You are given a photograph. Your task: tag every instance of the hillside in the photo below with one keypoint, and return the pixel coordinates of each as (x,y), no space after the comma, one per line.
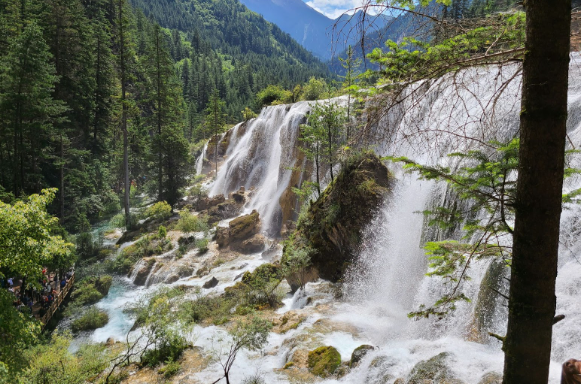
(232,30)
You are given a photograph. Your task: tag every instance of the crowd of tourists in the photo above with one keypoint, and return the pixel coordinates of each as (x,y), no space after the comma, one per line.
(31,299)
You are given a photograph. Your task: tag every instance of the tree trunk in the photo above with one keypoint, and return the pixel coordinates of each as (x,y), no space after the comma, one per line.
(124,115)
(159,149)
(538,201)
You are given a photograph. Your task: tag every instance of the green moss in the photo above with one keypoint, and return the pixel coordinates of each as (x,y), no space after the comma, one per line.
(324,361)
(288,365)
(92,319)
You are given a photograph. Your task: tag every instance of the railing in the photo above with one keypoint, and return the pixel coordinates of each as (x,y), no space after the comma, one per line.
(57,301)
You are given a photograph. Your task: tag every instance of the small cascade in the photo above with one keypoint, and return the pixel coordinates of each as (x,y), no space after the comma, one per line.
(200,160)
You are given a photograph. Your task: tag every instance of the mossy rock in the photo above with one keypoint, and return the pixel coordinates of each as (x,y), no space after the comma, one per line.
(359,353)
(433,371)
(324,361)
(244,227)
(334,224)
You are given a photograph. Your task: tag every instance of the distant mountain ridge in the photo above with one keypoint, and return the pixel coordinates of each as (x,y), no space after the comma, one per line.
(314,31)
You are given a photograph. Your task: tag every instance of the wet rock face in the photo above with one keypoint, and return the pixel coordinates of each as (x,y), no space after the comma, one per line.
(433,371)
(324,361)
(335,222)
(143,272)
(491,378)
(211,283)
(209,202)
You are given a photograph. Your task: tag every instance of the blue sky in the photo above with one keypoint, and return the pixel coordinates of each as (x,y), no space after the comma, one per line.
(333,8)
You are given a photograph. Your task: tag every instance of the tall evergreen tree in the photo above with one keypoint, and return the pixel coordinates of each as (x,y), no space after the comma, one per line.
(215,121)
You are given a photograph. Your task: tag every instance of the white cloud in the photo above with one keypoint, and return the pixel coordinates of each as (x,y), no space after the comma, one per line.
(333,8)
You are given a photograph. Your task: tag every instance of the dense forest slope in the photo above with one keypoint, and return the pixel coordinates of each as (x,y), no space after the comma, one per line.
(78,77)
(244,37)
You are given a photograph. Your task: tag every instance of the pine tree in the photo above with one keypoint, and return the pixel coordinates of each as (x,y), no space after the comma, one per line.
(350,64)
(29,111)
(215,120)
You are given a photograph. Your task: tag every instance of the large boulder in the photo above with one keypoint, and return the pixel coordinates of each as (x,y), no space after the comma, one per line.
(324,361)
(242,234)
(244,227)
(335,222)
(255,244)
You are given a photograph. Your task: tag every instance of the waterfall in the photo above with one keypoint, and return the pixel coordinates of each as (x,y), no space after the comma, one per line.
(261,156)
(200,160)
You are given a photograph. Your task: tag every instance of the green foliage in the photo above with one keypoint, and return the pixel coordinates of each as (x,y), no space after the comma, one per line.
(314,89)
(248,114)
(93,318)
(18,331)
(148,245)
(52,362)
(91,289)
(258,289)
(413,60)
(171,368)
(27,242)
(159,210)
(322,136)
(162,326)
(162,232)
(296,263)
(273,95)
(189,223)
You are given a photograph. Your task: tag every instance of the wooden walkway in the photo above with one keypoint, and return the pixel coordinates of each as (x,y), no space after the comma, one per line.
(63,293)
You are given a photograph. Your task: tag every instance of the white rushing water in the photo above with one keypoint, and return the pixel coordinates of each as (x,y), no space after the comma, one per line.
(388,280)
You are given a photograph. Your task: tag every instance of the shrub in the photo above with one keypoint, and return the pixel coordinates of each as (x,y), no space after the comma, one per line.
(254,379)
(159,210)
(189,223)
(274,94)
(314,89)
(202,245)
(92,319)
(170,369)
(162,232)
(86,294)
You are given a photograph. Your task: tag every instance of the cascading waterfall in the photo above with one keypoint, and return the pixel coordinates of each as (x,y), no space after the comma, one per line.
(455,113)
(261,156)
